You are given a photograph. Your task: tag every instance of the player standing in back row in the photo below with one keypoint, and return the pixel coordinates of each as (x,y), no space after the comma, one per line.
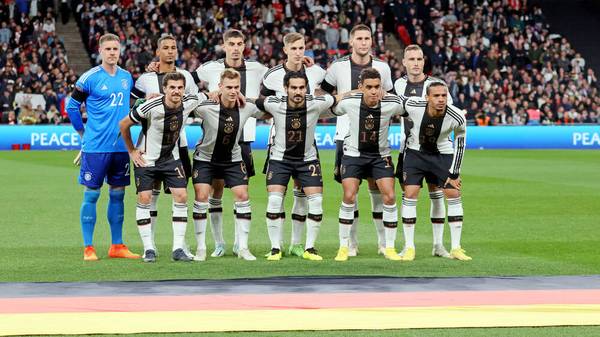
(251,74)
(430,152)
(105,90)
(343,76)
(413,84)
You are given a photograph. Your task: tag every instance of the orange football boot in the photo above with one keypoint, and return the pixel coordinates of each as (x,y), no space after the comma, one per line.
(89,254)
(121,251)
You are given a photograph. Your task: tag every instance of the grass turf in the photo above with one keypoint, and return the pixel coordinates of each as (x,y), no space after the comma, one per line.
(526,213)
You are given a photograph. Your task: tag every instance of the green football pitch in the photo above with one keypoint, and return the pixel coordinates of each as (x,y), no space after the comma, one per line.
(526,213)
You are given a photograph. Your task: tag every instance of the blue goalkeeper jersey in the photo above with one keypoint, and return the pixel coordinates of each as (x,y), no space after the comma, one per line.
(106,99)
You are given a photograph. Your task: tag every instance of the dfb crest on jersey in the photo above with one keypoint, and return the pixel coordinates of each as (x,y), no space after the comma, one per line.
(125,84)
(173,125)
(229,125)
(369,122)
(296,123)
(228,128)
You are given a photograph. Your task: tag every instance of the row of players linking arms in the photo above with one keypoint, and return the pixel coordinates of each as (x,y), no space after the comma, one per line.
(293,96)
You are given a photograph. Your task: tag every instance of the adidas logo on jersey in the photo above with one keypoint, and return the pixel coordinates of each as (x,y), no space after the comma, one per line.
(370,116)
(104,87)
(413,92)
(229,119)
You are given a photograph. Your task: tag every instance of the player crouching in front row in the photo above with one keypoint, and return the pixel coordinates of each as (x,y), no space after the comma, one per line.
(367,155)
(430,153)
(157,158)
(219,156)
(294,154)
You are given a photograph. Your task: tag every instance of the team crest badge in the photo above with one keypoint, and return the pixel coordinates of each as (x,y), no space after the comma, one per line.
(195,174)
(343,169)
(87,176)
(404,176)
(174,125)
(270,175)
(125,84)
(296,124)
(137,182)
(369,122)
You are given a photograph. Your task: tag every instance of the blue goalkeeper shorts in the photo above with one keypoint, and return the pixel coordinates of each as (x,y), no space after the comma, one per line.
(110,166)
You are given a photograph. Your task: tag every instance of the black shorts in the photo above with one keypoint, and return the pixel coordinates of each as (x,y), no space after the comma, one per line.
(171,173)
(428,178)
(339,154)
(234,174)
(246,148)
(308,174)
(435,168)
(363,168)
(398,173)
(184,156)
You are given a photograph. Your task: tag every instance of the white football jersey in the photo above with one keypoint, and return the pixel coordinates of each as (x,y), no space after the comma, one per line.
(343,76)
(251,72)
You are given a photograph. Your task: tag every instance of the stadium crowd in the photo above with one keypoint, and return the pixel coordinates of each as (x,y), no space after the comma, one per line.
(501,61)
(33,63)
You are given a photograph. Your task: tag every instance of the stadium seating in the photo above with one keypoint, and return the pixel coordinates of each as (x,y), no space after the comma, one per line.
(501,60)
(34,68)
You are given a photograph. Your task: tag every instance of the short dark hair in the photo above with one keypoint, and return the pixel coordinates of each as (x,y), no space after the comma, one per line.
(435,84)
(233,33)
(163,38)
(359,27)
(293,74)
(369,73)
(175,76)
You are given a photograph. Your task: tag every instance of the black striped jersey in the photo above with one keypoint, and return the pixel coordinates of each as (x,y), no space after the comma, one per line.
(151,83)
(403,87)
(432,135)
(251,73)
(162,126)
(368,126)
(295,127)
(221,131)
(343,76)
(272,84)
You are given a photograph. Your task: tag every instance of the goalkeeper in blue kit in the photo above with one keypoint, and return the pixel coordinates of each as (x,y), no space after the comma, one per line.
(105,90)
